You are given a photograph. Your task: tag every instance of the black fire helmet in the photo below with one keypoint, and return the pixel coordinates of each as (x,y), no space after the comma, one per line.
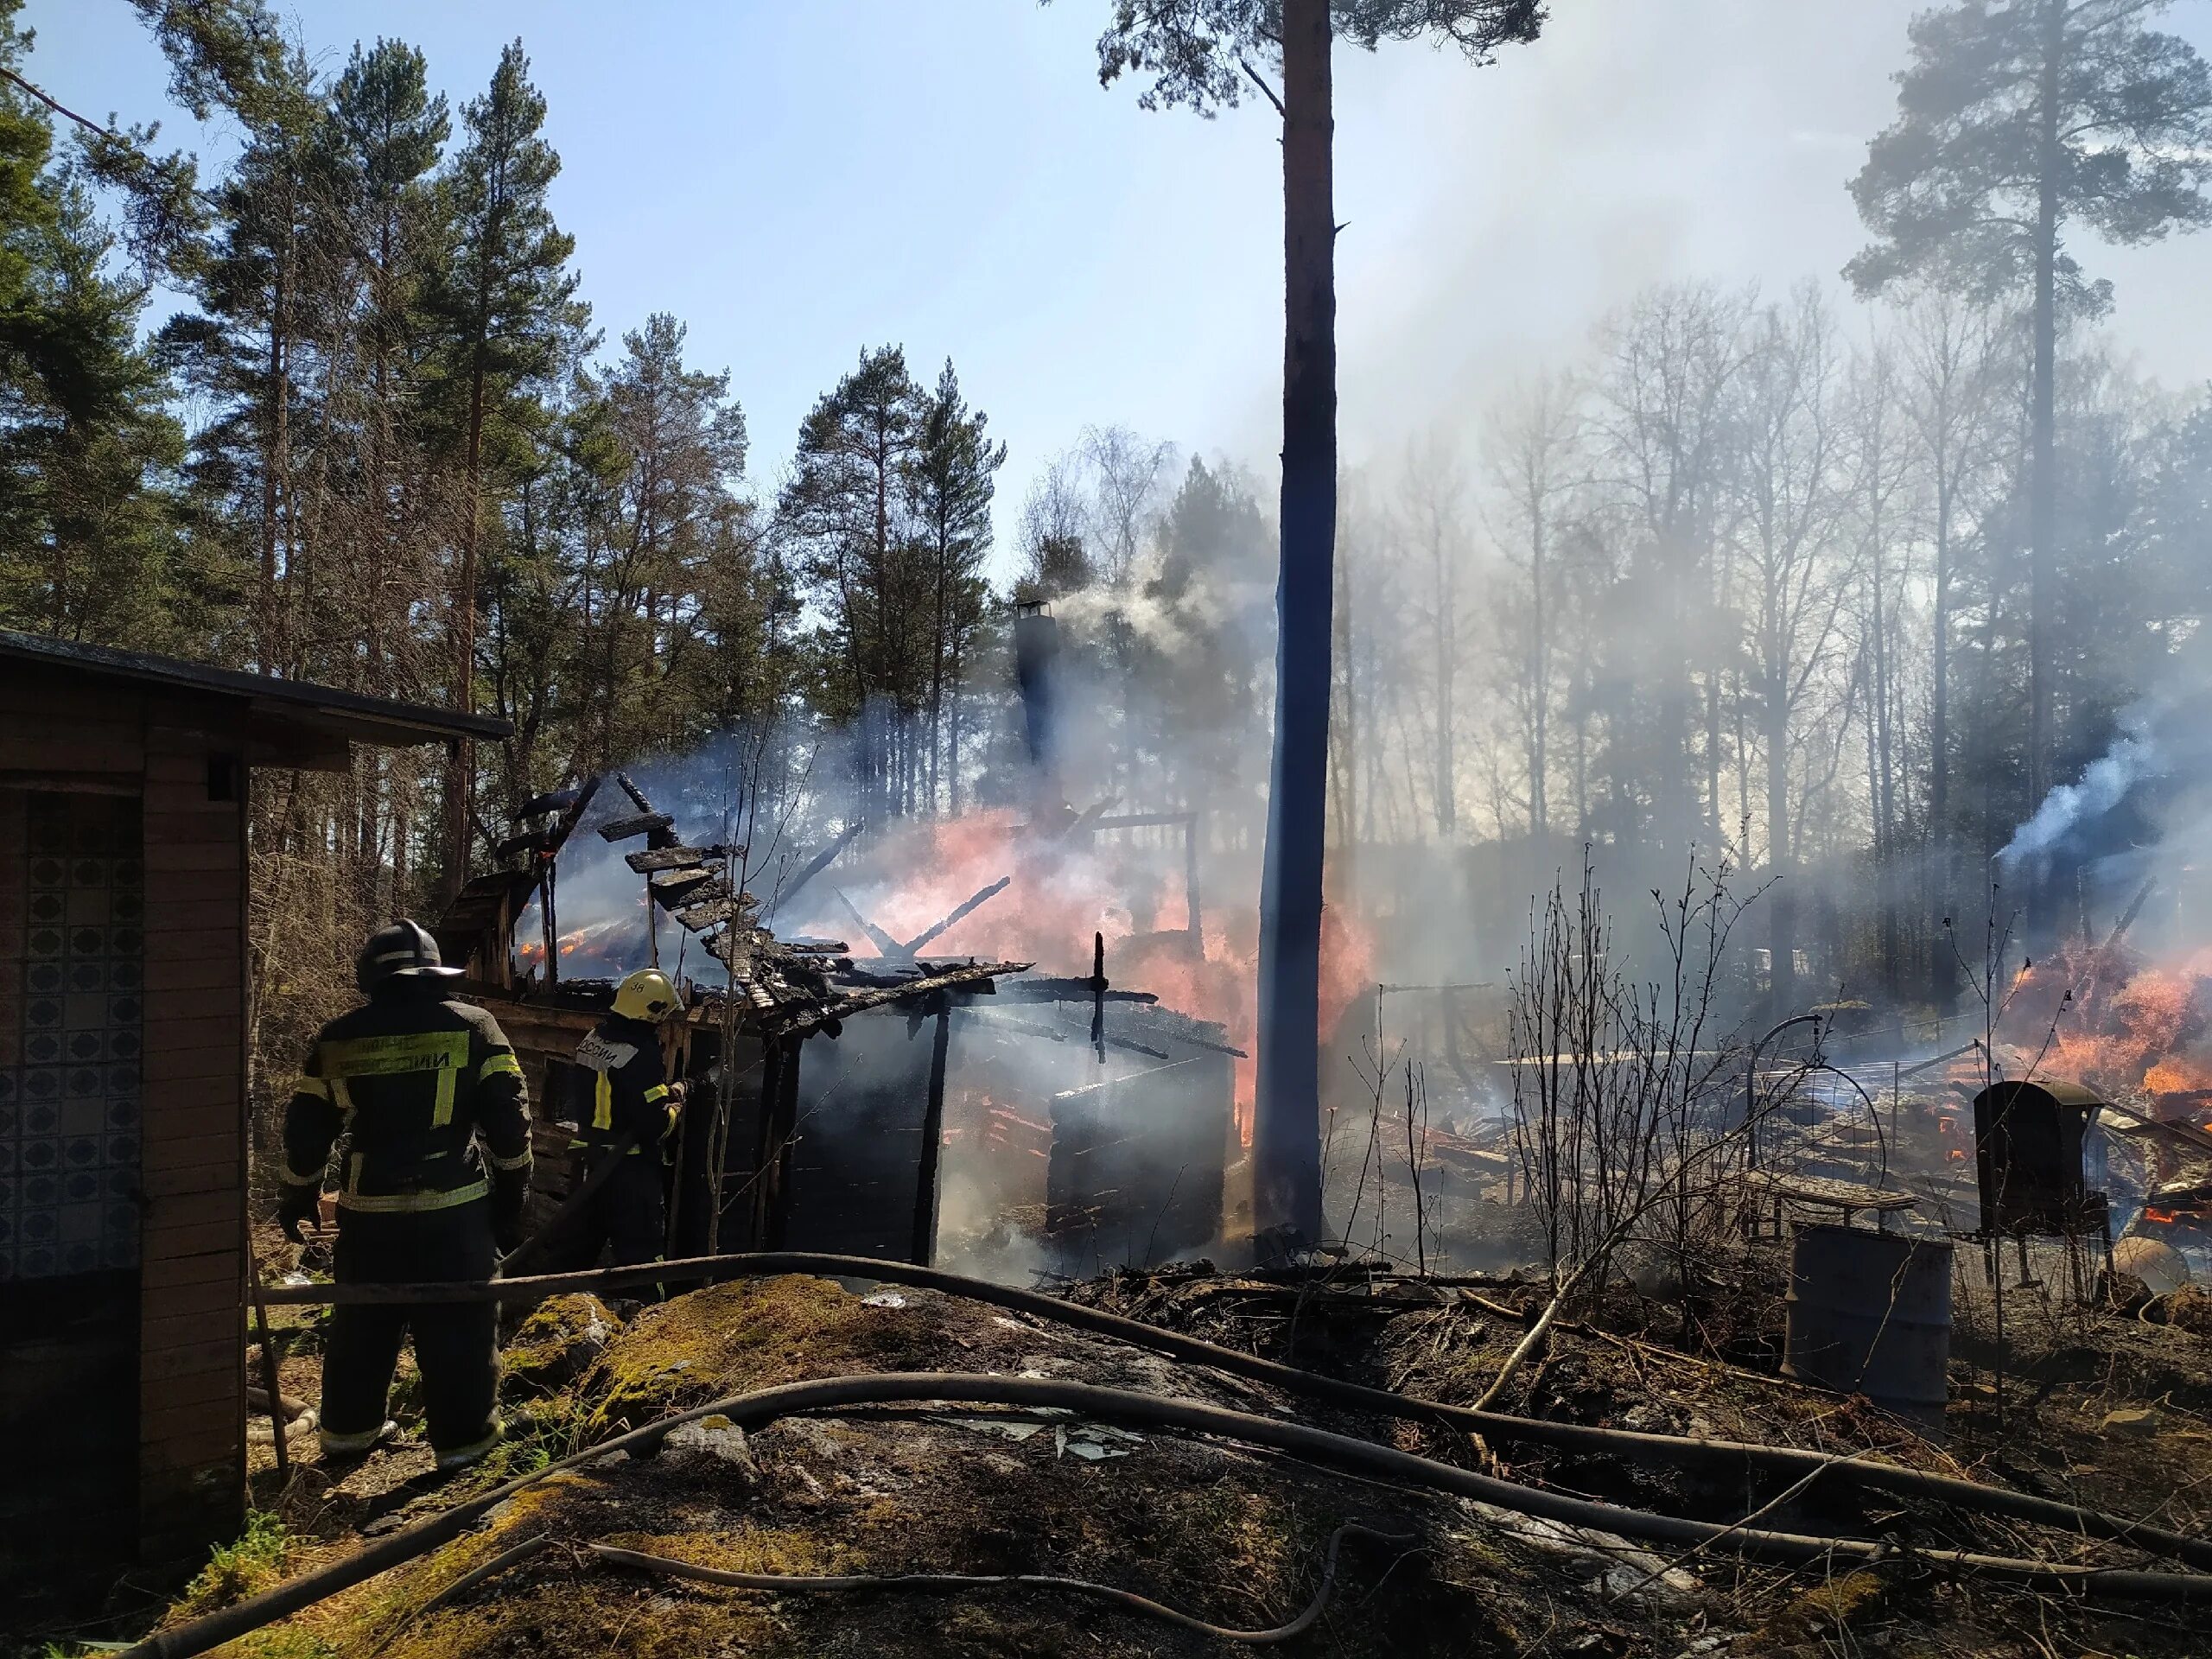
(404,948)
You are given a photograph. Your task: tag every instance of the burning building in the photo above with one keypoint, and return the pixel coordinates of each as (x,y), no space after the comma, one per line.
(841,1110)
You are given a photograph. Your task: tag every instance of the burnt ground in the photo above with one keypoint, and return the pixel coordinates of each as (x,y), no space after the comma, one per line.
(1227,1533)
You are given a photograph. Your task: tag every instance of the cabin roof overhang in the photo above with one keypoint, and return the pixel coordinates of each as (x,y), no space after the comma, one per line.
(287,723)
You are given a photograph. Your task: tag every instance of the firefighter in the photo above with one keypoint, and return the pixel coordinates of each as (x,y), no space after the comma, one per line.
(625,1110)
(434,1174)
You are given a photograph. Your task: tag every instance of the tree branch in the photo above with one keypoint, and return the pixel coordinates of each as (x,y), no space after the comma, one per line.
(61,109)
(1260,81)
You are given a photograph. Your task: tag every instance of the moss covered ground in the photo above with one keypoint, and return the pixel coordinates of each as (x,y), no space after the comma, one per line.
(1225,1533)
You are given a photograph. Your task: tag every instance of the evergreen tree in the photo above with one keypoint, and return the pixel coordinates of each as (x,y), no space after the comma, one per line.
(1200,53)
(245,351)
(504,299)
(2015,119)
(90,525)
(844,511)
(950,480)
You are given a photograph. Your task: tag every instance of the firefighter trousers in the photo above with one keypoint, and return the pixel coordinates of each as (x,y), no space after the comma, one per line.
(629,1212)
(456,1343)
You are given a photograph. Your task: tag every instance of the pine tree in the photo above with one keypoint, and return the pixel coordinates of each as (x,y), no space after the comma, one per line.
(1200,53)
(950,480)
(2015,118)
(90,525)
(505,303)
(844,511)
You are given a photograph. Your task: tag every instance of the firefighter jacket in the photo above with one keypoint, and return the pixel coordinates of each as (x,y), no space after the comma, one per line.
(413,1081)
(622,1088)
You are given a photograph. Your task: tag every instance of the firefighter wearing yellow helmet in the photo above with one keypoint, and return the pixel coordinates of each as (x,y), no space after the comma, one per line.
(624,1108)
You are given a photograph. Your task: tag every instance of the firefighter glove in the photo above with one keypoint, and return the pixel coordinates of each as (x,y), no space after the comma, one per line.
(300,1205)
(510,1195)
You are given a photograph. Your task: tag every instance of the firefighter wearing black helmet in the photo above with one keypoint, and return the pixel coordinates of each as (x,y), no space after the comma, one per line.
(435,1174)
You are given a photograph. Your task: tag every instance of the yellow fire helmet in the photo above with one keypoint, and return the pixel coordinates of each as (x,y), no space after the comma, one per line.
(648,995)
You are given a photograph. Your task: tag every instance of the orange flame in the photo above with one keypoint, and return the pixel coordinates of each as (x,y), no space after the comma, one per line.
(1063,892)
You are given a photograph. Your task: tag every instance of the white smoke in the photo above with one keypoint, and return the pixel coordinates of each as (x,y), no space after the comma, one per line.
(2106,782)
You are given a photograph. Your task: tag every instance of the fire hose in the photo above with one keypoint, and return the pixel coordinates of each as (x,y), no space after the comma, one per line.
(758,1407)
(1680,1451)
(925,1583)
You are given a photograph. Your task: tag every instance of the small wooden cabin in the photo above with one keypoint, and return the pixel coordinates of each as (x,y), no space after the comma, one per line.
(837,1154)
(123,1106)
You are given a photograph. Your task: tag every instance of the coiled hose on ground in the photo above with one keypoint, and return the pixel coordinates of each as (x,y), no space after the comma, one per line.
(752,1410)
(1679,1450)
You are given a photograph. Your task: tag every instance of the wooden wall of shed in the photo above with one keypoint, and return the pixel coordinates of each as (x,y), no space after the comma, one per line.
(64,733)
(191,1369)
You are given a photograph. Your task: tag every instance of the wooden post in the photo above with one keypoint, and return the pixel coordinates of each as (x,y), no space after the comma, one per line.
(925,1182)
(269,1369)
(778,1122)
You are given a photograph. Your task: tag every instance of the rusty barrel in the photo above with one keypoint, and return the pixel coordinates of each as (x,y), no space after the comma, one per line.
(1871,1313)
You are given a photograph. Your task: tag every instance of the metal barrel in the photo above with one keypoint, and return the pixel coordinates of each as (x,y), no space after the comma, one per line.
(1871,1313)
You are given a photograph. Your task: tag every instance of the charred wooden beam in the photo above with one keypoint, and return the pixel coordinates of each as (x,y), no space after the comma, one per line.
(914,945)
(559,800)
(923,1248)
(672,886)
(532,843)
(967,975)
(2134,909)
(709,910)
(665,858)
(1085,820)
(789,890)
(637,823)
(885,945)
(1055,989)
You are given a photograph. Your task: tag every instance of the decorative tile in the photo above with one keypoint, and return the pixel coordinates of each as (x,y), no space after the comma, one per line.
(72,913)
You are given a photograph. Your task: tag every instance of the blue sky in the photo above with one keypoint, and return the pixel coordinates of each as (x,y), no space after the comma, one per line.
(798,181)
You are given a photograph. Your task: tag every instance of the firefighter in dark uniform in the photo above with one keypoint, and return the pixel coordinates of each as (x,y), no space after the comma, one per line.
(626,1108)
(435,1174)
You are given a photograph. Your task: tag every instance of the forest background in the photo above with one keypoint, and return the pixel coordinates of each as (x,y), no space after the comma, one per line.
(1746,573)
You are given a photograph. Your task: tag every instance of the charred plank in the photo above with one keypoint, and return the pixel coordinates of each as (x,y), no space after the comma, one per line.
(672,888)
(637,823)
(665,858)
(708,911)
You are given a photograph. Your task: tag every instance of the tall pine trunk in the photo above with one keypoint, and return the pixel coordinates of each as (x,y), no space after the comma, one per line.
(460,758)
(1447,662)
(2042,504)
(1541,692)
(1286,1141)
(1781,907)
(1944,984)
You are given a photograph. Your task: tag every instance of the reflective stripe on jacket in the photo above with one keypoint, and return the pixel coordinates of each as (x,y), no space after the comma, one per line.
(412,1081)
(622,1087)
